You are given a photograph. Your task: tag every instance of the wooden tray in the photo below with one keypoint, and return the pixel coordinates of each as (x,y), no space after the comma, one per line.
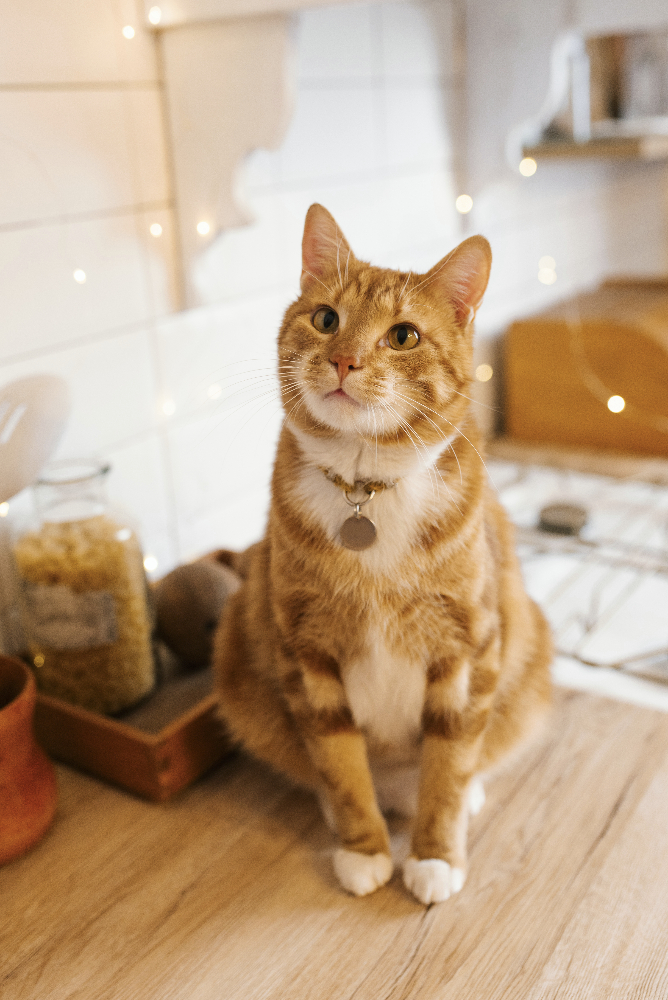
(142,752)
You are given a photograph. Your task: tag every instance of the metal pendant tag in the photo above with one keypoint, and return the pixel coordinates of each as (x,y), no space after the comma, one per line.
(357,533)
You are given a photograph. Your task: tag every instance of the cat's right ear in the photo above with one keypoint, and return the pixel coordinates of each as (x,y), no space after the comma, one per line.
(324,247)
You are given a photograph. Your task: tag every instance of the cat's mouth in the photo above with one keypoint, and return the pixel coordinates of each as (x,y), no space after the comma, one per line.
(341,394)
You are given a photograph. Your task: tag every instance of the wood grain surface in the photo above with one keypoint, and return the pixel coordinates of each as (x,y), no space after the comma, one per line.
(227,891)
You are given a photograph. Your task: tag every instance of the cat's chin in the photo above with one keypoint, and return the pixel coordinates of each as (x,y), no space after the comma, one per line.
(342,413)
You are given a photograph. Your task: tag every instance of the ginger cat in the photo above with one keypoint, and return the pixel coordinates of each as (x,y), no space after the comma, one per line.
(384,669)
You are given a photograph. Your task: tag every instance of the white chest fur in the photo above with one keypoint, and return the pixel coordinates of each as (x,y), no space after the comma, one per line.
(399,513)
(385,692)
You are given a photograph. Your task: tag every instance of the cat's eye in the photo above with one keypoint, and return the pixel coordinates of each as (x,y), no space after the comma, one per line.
(326,321)
(403,337)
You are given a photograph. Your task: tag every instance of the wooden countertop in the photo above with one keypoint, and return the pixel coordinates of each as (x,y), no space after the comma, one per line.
(227,891)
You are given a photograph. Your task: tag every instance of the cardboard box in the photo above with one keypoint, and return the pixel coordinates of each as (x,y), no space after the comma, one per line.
(562,366)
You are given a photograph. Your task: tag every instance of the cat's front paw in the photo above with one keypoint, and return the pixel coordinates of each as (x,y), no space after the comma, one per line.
(362,873)
(432,880)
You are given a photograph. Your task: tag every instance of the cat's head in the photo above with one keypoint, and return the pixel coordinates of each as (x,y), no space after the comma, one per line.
(379,353)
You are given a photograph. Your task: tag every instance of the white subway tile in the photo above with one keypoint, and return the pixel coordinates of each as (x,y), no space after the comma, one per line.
(409,43)
(70,152)
(334,133)
(112,385)
(138,482)
(41,304)
(415,124)
(160,259)
(147,143)
(82,41)
(219,358)
(233,524)
(247,259)
(337,43)
(220,459)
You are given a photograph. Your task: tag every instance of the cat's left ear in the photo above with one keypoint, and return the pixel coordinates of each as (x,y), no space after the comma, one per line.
(324,247)
(463,276)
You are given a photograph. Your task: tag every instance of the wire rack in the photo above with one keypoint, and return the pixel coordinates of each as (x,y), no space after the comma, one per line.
(605,592)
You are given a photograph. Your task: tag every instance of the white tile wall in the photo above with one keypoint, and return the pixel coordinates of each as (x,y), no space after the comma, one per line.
(85,175)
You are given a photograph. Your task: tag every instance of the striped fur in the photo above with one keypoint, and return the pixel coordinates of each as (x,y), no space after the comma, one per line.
(422,654)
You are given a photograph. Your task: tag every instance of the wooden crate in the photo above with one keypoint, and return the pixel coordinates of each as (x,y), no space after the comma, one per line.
(562,366)
(126,752)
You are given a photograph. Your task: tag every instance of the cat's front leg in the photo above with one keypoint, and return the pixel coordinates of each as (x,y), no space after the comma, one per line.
(457,704)
(338,751)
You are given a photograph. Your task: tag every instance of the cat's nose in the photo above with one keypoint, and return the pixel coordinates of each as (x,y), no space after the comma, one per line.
(344,364)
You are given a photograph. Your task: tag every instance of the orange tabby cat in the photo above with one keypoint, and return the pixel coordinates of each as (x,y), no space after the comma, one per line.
(387,668)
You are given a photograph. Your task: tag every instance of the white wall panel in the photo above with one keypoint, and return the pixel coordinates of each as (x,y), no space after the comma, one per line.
(77,41)
(71,152)
(114,393)
(41,304)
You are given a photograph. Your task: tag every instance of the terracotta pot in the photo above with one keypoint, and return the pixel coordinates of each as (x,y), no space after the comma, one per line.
(27,777)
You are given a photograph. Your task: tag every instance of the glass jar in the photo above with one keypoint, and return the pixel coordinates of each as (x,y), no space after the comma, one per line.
(83,593)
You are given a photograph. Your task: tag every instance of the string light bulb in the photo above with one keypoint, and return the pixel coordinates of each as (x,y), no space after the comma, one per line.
(483,373)
(203,228)
(128,31)
(528,166)
(464,204)
(79,276)
(547,275)
(4,509)
(156,229)
(155,15)
(150,563)
(616,404)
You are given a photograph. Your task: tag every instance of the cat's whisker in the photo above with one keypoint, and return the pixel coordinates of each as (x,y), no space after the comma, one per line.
(439,430)
(461,434)
(476,402)
(432,466)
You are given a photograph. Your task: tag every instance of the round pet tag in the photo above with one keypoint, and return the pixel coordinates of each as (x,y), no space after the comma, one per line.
(357,533)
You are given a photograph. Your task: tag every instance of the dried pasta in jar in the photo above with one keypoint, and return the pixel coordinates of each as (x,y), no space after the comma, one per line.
(85,610)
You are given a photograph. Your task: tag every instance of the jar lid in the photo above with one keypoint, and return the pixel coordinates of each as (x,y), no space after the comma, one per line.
(69,471)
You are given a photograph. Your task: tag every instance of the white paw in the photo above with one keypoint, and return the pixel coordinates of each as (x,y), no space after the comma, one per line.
(476,796)
(362,873)
(432,880)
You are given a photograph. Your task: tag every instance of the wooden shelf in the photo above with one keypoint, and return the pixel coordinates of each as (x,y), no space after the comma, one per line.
(646,147)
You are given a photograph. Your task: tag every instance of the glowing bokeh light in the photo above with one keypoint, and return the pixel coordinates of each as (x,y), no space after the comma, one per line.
(528,166)
(616,404)
(547,276)
(484,373)
(464,204)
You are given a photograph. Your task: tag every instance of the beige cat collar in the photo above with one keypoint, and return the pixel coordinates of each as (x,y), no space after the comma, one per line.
(357,532)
